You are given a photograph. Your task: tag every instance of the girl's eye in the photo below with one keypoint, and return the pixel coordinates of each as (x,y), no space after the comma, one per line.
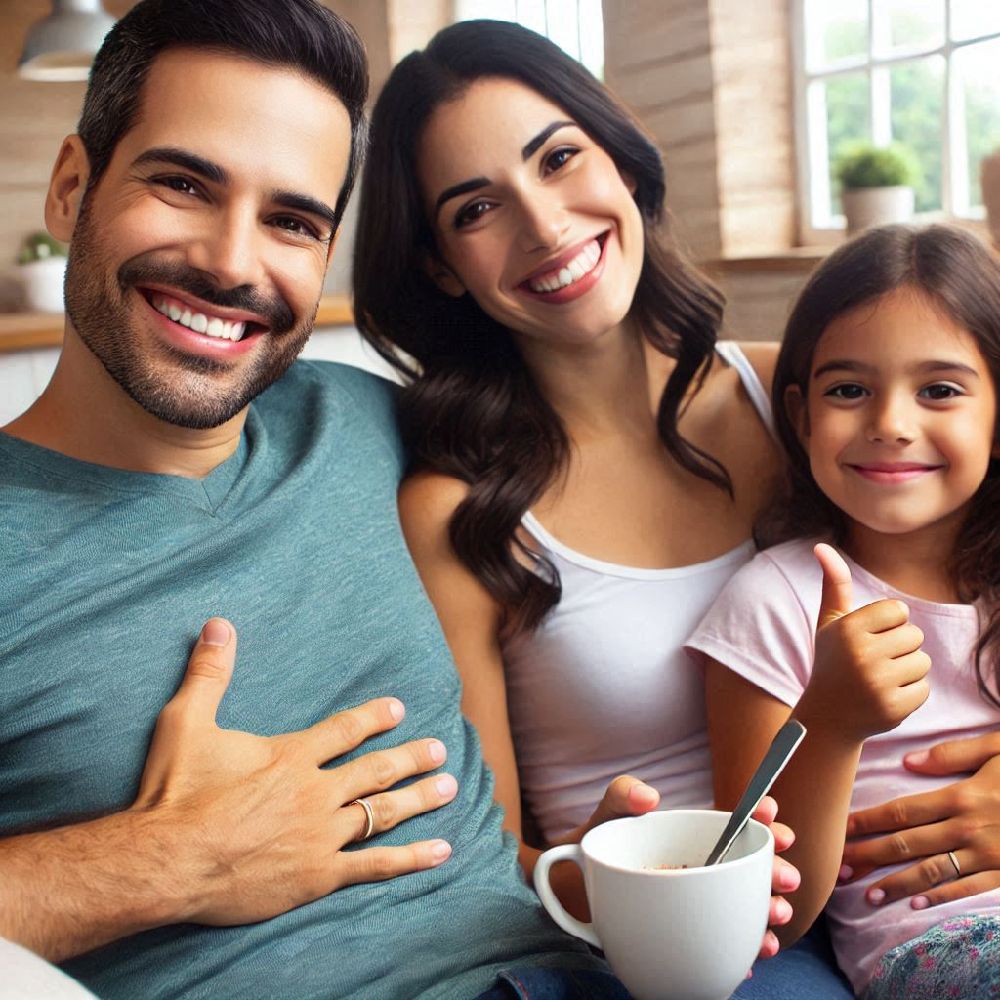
(558,158)
(846,390)
(940,390)
(472,212)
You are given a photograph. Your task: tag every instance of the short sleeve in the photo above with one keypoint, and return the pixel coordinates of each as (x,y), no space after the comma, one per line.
(759,627)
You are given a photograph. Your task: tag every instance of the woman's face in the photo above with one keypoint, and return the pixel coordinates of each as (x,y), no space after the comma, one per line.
(531,216)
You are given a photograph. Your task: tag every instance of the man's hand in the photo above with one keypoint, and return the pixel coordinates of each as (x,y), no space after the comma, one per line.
(228,828)
(869,672)
(259,825)
(963,817)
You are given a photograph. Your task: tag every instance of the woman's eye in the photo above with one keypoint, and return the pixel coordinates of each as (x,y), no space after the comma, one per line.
(940,390)
(559,158)
(472,212)
(846,390)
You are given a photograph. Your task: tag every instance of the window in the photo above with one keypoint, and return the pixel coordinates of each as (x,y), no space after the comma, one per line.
(923,73)
(576,26)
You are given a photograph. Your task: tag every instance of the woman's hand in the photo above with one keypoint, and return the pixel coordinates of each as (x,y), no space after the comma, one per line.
(962,818)
(784,877)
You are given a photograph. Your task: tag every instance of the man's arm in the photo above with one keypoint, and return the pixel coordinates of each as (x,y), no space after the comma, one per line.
(228,828)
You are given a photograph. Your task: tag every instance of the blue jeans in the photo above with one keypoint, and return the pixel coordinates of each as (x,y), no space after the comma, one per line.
(808,970)
(555,984)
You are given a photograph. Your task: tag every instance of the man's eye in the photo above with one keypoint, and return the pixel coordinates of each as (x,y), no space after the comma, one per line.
(472,212)
(940,390)
(846,390)
(559,158)
(182,185)
(297,227)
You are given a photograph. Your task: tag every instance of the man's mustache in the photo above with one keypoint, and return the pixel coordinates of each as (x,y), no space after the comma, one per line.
(273,309)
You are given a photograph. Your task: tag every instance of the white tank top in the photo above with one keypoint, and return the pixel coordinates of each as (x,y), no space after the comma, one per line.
(603,687)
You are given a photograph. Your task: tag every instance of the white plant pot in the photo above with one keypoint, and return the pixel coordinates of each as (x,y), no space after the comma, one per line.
(867,207)
(42,283)
(989,178)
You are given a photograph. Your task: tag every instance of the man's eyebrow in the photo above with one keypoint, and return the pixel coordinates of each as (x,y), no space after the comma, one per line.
(456,189)
(304,203)
(184,159)
(533,144)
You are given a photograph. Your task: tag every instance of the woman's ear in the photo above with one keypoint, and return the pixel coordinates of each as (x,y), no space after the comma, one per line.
(66,188)
(629,181)
(797,412)
(443,276)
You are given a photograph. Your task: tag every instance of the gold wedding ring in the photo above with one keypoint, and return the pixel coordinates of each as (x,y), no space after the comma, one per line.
(954,861)
(370,818)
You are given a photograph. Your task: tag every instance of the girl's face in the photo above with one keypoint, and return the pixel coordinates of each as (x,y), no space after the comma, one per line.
(900,415)
(531,216)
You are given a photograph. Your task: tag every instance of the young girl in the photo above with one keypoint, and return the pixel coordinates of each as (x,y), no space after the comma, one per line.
(886,399)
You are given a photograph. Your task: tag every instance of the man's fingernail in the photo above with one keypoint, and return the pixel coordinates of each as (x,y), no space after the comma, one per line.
(396,709)
(446,786)
(920,902)
(436,751)
(918,757)
(876,896)
(846,873)
(440,851)
(216,633)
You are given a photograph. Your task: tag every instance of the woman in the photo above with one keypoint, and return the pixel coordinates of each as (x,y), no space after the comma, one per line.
(587,464)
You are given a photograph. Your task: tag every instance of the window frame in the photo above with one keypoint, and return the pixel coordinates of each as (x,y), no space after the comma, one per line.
(812,148)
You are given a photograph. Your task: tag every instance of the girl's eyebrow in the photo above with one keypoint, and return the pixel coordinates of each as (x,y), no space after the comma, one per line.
(929,367)
(529,148)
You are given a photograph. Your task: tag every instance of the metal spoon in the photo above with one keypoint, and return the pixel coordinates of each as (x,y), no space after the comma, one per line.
(788,737)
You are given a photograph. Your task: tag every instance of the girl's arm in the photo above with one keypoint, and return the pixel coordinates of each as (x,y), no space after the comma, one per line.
(813,792)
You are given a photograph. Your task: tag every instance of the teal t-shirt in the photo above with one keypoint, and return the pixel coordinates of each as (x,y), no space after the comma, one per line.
(107,578)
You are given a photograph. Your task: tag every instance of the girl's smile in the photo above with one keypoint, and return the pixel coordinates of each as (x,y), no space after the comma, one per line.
(900,416)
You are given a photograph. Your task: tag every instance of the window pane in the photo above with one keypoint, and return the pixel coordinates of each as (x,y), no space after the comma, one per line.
(836,31)
(907,25)
(917,90)
(531,13)
(499,10)
(847,117)
(972,18)
(563,26)
(979,90)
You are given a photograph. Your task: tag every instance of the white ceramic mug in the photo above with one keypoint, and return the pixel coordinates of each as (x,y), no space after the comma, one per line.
(688,933)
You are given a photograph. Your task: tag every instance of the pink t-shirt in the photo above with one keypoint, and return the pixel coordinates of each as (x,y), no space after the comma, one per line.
(762,626)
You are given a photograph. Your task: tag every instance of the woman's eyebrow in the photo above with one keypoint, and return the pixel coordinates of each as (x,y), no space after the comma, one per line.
(533,144)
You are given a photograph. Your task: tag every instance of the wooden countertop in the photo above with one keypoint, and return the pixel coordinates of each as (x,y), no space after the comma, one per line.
(25,331)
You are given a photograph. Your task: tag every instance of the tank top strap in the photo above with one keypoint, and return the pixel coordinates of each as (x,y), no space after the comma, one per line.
(733,355)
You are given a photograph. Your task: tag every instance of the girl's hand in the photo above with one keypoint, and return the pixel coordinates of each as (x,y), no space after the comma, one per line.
(869,672)
(963,817)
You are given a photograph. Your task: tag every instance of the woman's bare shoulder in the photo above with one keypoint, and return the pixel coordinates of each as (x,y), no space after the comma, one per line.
(762,355)
(427,500)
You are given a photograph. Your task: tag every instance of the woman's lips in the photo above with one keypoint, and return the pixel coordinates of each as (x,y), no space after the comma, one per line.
(573,274)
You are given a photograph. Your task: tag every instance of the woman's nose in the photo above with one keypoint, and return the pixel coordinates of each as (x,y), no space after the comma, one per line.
(543,221)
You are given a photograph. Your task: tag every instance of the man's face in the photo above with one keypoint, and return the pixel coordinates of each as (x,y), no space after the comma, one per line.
(197,261)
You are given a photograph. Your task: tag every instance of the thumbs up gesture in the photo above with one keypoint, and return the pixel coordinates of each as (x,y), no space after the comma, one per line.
(870,672)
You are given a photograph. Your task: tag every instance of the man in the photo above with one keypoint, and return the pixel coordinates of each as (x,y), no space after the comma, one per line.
(167,851)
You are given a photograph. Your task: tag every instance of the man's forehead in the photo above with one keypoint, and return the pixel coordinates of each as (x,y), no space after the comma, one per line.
(221,104)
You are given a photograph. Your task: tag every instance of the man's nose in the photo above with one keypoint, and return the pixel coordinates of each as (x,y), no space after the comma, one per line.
(230,250)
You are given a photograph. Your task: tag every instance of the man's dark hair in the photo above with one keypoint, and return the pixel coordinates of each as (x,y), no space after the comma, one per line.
(298,34)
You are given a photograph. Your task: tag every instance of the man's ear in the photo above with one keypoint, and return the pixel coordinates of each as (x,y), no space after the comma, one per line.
(443,276)
(66,188)
(798,412)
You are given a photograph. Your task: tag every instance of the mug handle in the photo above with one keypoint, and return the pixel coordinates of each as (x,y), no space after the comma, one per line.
(564,852)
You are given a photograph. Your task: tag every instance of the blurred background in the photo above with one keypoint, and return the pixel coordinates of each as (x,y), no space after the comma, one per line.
(754,106)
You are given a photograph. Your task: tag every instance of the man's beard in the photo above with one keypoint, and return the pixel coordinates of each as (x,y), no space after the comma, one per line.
(187,390)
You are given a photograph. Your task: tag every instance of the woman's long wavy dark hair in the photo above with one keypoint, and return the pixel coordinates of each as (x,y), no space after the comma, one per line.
(471,409)
(962,278)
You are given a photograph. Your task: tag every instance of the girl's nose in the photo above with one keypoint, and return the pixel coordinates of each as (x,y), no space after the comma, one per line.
(892,422)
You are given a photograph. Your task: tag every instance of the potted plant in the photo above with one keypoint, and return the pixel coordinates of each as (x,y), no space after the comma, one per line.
(989,176)
(876,184)
(42,268)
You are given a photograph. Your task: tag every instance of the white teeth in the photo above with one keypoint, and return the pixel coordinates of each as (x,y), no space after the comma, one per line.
(582,264)
(199,322)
